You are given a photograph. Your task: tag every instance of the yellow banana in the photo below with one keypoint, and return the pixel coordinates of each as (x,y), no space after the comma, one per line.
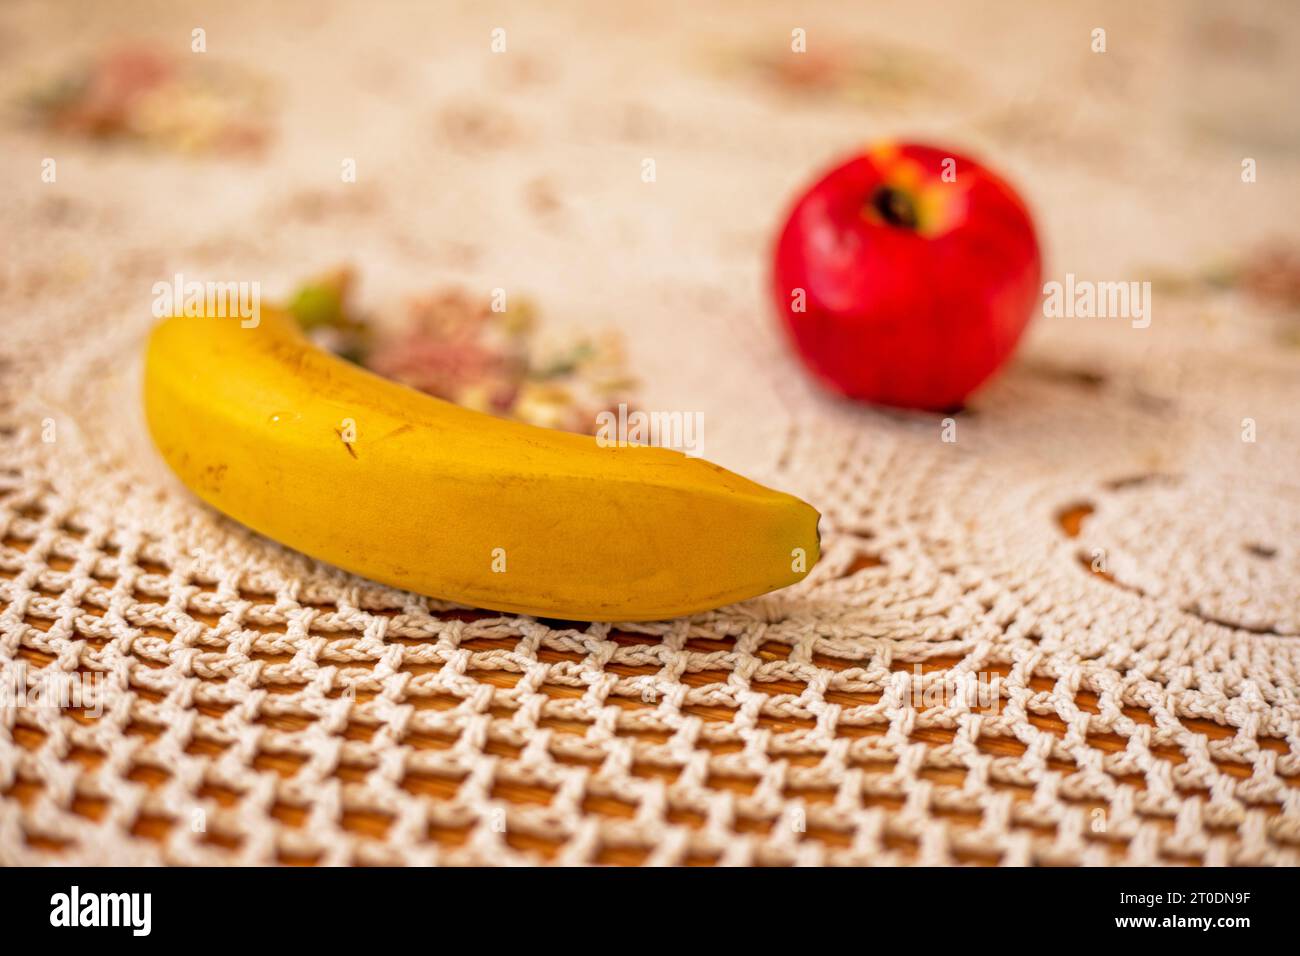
(418,493)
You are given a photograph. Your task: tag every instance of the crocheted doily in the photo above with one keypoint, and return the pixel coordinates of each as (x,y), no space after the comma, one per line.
(1070,635)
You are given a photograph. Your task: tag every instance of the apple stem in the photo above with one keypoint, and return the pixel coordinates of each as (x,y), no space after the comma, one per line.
(895,207)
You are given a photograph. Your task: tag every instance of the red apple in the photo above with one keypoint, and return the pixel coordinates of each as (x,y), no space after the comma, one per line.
(906,275)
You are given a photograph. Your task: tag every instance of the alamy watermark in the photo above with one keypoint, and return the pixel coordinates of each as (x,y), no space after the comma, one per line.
(680,431)
(975,690)
(59,690)
(1084,299)
(242,300)
(133,911)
